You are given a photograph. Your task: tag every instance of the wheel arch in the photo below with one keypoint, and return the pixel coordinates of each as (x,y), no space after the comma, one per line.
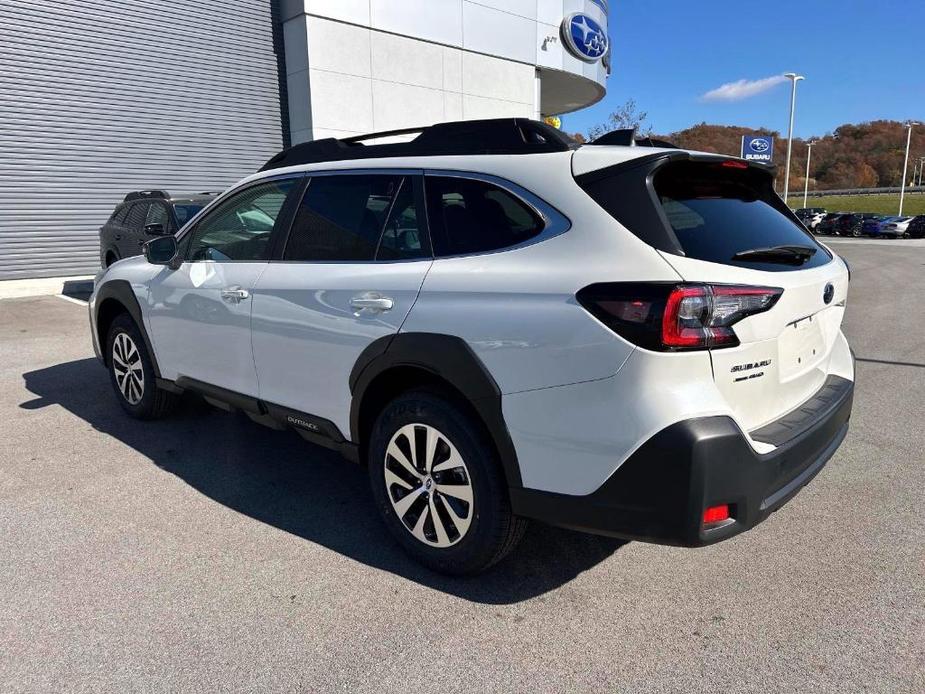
(112,299)
(394,364)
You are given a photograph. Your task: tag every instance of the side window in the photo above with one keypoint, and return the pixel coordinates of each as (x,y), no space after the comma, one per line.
(240,227)
(136,216)
(118,214)
(157,214)
(402,238)
(469,216)
(342,217)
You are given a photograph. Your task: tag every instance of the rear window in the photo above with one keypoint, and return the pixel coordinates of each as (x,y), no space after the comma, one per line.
(470,216)
(717,212)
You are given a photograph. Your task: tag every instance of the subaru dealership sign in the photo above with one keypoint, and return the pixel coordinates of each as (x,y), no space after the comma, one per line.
(758,148)
(584,37)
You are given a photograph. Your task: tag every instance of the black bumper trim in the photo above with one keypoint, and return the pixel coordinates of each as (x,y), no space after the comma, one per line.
(660,492)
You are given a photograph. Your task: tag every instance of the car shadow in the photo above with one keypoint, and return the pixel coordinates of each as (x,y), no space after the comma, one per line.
(277,478)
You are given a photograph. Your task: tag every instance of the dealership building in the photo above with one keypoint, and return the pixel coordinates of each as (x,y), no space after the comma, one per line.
(102,97)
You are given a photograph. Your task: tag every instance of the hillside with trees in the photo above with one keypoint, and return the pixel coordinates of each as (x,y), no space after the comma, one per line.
(865,155)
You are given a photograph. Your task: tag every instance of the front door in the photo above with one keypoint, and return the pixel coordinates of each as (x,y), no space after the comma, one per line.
(351,270)
(200,314)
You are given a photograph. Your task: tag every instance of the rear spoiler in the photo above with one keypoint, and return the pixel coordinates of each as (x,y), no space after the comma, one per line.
(638,207)
(626,137)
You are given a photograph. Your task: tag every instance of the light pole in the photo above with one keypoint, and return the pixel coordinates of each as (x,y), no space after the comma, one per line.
(794,78)
(921,165)
(902,189)
(809,155)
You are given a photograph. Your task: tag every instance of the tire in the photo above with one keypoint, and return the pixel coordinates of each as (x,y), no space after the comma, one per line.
(136,387)
(111,258)
(475,535)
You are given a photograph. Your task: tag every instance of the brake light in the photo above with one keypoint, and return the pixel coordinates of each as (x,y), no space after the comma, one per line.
(703,315)
(716,514)
(672,317)
(733,164)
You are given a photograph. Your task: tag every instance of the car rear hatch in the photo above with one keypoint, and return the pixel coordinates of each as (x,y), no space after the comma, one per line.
(720,224)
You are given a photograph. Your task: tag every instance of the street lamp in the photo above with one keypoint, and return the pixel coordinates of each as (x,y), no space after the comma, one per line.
(809,155)
(794,78)
(921,164)
(902,190)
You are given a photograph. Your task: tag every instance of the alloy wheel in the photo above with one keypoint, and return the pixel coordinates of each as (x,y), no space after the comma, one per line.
(127,367)
(428,485)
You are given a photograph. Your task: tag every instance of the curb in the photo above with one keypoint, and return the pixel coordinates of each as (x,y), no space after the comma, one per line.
(81,286)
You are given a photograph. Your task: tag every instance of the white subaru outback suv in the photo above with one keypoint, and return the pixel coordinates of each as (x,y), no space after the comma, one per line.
(500,325)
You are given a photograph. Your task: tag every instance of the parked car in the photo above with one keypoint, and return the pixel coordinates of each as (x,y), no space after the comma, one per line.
(871,225)
(894,227)
(811,216)
(632,341)
(826,225)
(852,224)
(916,227)
(142,216)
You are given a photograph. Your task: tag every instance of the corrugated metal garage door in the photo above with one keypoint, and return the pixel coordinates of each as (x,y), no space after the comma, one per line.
(100,97)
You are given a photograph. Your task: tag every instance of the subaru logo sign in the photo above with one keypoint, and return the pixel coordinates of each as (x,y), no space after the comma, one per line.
(758,148)
(584,37)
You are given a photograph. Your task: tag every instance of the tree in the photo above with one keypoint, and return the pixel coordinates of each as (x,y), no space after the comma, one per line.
(627,116)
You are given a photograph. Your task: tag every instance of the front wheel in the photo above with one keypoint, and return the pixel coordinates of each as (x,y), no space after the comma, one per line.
(131,371)
(438,484)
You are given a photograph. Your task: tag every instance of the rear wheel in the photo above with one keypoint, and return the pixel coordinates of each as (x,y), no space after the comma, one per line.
(439,485)
(131,372)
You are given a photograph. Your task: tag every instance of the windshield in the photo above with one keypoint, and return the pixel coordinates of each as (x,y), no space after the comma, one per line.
(718,213)
(186,211)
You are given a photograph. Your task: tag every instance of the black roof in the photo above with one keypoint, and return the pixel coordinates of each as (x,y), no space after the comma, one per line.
(492,136)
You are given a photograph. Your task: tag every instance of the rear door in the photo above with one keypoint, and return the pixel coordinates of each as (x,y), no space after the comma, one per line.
(351,270)
(718,214)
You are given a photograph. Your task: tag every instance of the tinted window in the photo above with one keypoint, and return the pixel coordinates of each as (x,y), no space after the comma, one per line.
(118,214)
(136,215)
(240,227)
(186,211)
(717,212)
(402,237)
(342,218)
(468,216)
(157,214)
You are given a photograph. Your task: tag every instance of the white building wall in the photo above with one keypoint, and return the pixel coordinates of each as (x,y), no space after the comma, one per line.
(357,66)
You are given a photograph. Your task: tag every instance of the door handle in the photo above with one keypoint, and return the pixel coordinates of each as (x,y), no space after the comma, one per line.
(371,301)
(234,294)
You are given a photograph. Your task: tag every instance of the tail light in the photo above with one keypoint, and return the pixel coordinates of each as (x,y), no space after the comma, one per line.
(673,317)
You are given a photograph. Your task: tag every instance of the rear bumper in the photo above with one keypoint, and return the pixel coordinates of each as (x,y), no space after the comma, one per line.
(660,493)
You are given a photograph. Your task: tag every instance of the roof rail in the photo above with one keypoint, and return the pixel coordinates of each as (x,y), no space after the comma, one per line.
(492,136)
(141,194)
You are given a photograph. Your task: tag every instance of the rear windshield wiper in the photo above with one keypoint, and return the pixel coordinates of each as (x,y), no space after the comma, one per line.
(778,254)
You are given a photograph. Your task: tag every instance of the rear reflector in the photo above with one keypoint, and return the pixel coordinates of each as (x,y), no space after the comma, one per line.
(715,514)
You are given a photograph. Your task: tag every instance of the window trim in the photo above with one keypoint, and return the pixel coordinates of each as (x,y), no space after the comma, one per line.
(554,222)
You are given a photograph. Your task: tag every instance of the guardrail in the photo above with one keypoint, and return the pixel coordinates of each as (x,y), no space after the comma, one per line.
(858,191)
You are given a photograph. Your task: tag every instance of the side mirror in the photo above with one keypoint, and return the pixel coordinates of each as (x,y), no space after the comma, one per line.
(155,229)
(161,251)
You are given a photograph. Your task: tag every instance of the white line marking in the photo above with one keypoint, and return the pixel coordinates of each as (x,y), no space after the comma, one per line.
(79,302)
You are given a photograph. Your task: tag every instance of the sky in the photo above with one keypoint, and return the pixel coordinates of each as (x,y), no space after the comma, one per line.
(863,60)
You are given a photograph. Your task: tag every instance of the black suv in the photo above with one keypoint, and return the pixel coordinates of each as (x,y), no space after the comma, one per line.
(143,215)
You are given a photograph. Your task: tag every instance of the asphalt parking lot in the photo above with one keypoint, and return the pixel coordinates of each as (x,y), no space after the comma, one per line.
(206,553)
